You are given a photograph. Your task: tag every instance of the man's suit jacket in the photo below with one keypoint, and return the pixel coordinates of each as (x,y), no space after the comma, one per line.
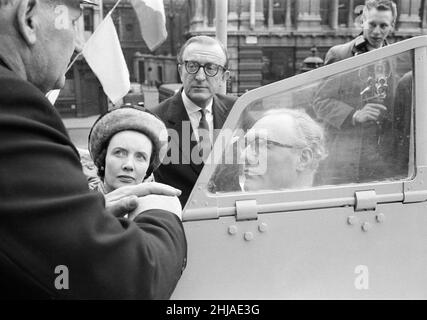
(183,175)
(347,50)
(50,219)
(353,149)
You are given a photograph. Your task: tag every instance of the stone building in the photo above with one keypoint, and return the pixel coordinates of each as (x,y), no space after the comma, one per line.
(83,95)
(269,39)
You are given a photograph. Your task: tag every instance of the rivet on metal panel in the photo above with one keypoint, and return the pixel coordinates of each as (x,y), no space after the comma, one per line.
(232,230)
(366,226)
(352,220)
(380,217)
(263,227)
(248,236)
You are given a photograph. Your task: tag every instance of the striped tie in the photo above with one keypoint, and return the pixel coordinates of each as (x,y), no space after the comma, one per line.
(205,144)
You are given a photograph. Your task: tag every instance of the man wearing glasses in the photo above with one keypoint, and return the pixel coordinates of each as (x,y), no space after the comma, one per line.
(283,150)
(194,113)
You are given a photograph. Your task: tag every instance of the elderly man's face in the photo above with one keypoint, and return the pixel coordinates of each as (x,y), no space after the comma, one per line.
(56,41)
(272,154)
(200,87)
(377,25)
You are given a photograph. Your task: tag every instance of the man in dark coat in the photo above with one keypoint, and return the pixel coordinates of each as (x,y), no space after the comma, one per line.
(57,238)
(378,21)
(357,116)
(195,114)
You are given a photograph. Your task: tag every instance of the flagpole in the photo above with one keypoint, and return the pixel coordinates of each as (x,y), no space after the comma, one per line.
(108,14)
(101,10)
(221,16)
(115,6)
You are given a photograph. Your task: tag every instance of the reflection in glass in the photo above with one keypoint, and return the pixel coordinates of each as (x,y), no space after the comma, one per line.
(365,116)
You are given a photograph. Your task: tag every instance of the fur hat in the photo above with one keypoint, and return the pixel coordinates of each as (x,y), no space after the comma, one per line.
(128,118)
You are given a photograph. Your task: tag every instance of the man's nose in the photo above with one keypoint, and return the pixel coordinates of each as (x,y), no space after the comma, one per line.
(200,75)
(250,156)
(377,30)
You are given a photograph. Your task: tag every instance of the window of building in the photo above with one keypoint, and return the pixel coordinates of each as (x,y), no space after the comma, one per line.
(88,19)
(265,3)
(115,16)
(347,15)
(325,12)
(278,64)
(141,71)
(160,73)
(211,12)
(69,88)
(279,11)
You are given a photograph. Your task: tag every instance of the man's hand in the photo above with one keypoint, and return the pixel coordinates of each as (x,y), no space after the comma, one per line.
(154,201)
(125,199)
(370,112)
(121,207)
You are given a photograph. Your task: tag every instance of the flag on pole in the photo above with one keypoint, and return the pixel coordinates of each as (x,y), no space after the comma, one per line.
(152,21)
(105,57)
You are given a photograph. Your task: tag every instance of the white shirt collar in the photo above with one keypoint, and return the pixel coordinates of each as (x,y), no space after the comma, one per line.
(191,107)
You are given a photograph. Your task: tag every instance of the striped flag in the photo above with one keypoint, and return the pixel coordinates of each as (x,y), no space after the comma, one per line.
(152,21)
(104,55)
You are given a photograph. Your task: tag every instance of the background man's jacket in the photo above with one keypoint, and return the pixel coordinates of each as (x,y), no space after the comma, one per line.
(172,111)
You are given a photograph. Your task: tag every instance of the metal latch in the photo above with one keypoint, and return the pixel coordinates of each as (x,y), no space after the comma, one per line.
(365,200)
(246,210)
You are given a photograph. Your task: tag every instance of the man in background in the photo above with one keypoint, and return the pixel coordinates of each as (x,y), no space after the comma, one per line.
(378,21)
(356,107)
(195,113)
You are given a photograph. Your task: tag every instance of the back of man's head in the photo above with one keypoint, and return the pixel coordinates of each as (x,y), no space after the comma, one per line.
(381,5)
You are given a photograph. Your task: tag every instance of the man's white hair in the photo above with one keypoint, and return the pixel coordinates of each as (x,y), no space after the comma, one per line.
(308,131)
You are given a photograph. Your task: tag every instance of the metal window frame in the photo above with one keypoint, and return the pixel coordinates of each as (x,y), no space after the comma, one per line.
(203,205)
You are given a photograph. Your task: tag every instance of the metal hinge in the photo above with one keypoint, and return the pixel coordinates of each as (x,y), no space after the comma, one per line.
(246,210)
(365,200)
(415,190)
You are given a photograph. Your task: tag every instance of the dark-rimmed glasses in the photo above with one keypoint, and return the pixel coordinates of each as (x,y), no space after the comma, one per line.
(210,69)
(258,143)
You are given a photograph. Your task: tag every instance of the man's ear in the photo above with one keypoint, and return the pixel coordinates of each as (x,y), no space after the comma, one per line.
(25,17)
(180,66)
(226,75)
(305,159)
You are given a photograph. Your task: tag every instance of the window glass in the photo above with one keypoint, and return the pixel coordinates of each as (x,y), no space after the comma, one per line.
(347,16)
(353,127)
(88,19)
(279,7)
(325,12)
(211,12)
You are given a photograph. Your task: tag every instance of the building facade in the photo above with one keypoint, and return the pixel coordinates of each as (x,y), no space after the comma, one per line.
(269,39)
(83,95)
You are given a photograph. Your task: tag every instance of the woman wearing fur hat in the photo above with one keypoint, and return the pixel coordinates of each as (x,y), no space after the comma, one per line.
(127,145)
